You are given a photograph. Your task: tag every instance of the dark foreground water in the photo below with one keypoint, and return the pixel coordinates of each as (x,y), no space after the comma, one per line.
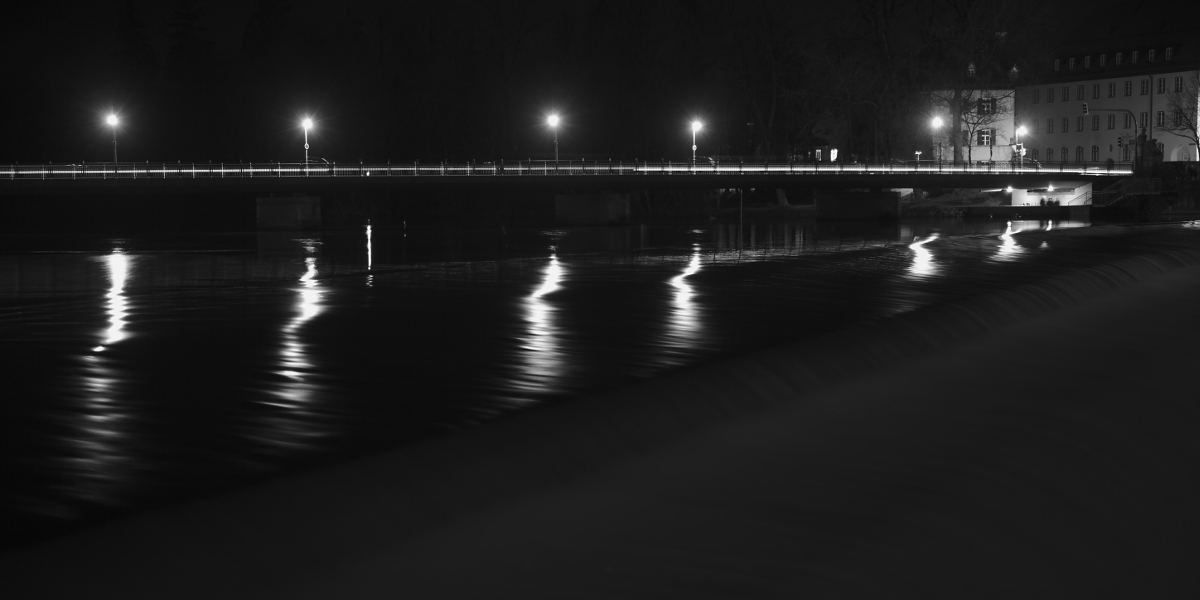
(144,371)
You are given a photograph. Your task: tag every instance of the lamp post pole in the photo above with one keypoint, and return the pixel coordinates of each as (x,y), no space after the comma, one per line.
(937,123)
(307,124)
(112,122)
(1020,150)
(552,121)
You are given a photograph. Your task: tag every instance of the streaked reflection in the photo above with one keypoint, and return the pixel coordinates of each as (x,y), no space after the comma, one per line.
(370,277)
(683,320)
(118,272)
(295,360)
(1008,245)
(541,345)
(923,264)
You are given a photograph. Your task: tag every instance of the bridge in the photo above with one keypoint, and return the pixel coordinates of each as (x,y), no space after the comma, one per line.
(177,177)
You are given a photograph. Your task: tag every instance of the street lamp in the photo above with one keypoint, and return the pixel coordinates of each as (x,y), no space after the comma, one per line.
(552,120)
(112,122)
(1017,146)
(307,124)
(937,124)
(696,125)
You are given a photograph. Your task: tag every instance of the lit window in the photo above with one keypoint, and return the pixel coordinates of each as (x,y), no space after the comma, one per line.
(1095,90)
(1133,57)
(1178,82)
(1150,56)
(1057,65)
(1102,59)
(1112,90)
(985,137)
(1168,53)
(1112,121)
(1095,122)
(1162,85)
(1095,153)
(1128,88)
(1118,59)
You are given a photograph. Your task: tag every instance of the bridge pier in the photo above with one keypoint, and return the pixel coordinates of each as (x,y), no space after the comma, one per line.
(288,213)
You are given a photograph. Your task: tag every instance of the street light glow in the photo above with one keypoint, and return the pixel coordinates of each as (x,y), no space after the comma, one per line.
(307,123)
(937,122)
(552,120)
(111,120)
(1021,130)
(696,125)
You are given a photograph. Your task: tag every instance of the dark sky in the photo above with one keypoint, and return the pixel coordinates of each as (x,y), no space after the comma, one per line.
(474,79)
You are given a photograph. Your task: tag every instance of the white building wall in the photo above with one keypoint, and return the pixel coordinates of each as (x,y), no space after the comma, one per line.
(1000,148)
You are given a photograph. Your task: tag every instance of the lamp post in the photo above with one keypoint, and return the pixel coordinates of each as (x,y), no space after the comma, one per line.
(307,124)
(112,122)
(552,120)
(937,124)
(696,125)
(1017,146)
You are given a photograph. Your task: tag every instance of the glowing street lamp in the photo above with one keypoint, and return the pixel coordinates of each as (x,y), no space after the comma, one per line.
(112,122)
(937,124)
(696,125)
(1017,146)
(307,124)
(552,120)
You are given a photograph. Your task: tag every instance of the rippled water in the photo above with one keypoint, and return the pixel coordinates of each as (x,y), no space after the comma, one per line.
(149,370)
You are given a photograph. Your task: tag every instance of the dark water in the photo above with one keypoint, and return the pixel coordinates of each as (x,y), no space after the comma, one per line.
(147,370)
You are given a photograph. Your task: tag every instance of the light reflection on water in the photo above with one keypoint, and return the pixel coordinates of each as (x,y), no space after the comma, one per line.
(541,344)
(923,264)
(683,322)
(1008,249)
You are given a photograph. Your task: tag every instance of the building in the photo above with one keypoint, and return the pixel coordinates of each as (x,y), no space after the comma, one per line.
(986,125)
(1097,95)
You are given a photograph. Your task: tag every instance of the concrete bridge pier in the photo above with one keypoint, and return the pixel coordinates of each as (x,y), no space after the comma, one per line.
(288,213)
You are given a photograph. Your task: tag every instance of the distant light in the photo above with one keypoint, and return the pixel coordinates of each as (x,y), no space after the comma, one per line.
(1050,188)
(307,124)
(696,125)
(111,120)
(1021,130)
(937,122)
(1008,189)
(552,120)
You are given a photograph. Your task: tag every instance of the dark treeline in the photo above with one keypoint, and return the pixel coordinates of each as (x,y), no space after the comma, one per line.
(475,79)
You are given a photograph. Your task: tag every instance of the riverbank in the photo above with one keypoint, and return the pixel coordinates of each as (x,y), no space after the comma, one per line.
(984,448)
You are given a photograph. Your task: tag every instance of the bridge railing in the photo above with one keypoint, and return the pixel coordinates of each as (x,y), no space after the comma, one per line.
(92,171)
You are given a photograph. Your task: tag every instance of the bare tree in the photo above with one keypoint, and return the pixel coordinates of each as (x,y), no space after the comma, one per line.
(980,112)
(1182,110)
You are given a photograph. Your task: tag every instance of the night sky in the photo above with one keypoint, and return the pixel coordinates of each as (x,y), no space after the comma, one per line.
(474,79)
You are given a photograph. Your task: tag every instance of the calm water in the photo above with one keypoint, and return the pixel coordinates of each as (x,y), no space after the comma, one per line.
(143,371)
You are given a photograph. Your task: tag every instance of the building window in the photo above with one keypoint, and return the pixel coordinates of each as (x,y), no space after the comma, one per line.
(1095,122)
(1049,125)
(1035,154)
(1133,57)
(1178,118)
(1162,85)
(1143,120)
(1117,61)
(1145,86)
(1036,93)
(1049,154)
(1036,126)
(1071,63)
(1078,123)
(1168,53)
(1112,121)
(1087,62)
(970,69)
(1066,93)
(984,138)
(1095,153)
(1178,83)
(1160,119)
(1128,121)
(1057,65)
(1066,124)
(1079,154)
(1095,90)
(1079,94)
(1102,59)
(1125,153)
(1150,56)
(1049,94)
(1063,154)
(1128,88)
(985,106)
(1112,90)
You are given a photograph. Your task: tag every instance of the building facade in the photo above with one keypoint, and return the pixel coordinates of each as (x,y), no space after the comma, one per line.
(986,125)
(1097,97)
